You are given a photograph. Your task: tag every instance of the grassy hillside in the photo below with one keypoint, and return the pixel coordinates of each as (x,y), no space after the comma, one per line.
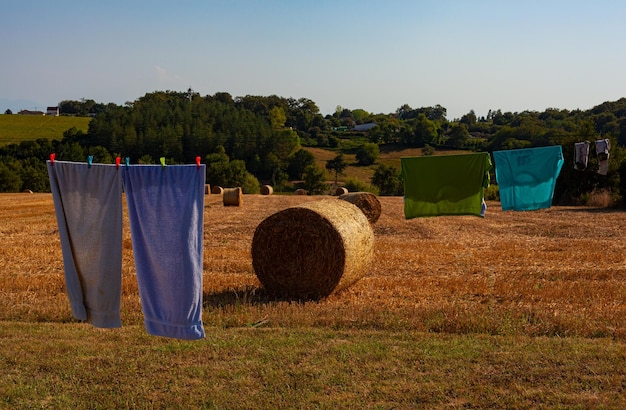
(16,128)
(389,155)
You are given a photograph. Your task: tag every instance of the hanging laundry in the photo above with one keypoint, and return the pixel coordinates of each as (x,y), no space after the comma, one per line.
(165,210)
(602,152)
(88,207)
(527,177)
(581,155)
(445,184)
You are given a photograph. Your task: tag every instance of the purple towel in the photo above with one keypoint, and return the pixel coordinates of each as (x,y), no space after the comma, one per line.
(88,207)
(165,210)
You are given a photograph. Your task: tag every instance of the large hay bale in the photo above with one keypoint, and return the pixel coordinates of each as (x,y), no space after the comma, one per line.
(341,191)
(367,202)
(207,189)
(267,190)
(217,190)
(312,250)
(301,191)
(232,196)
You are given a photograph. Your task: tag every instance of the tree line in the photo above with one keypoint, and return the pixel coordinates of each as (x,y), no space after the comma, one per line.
(249,140)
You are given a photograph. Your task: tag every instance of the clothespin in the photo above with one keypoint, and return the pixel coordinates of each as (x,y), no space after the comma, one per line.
(127,161)
(162,159)
(117,162)
(198,162)
(89,160)
(52,158)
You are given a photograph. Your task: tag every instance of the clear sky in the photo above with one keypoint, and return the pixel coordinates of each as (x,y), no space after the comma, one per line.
(373,55)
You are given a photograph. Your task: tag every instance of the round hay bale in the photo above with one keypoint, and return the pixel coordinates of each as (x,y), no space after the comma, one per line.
(207,189)
(232,196)
(312,250)
(301,191)
(367,202)
(267,190)
(218,190)
(341,191)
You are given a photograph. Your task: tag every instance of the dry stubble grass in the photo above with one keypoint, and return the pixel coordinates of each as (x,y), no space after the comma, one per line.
(462,280)
(559,271)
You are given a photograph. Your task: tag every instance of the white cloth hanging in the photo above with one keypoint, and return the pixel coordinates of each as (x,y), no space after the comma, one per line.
(581,158)
(602,152)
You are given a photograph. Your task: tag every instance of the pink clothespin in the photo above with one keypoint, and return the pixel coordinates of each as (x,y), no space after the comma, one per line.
(198,162)
(52,156)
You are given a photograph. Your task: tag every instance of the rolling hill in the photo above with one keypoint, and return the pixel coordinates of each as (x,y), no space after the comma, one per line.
(16,128)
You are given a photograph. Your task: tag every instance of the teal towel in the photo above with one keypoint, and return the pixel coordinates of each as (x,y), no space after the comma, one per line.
(165,210)
(445,184)
(527,177)
(88,207)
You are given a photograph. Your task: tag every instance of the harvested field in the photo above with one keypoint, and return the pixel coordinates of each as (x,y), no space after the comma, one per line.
(555,272)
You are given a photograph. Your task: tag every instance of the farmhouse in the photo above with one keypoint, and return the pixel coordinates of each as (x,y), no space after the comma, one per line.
(29,112)
(52,111)
(364,127)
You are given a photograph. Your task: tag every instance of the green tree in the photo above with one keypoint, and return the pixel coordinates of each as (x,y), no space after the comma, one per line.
(239,176)
(428,150)
(100,155)
(425,131)
(298,162)
(277,118)
(217,168)
(314,180)
(337,164)
(367,154)
(386,178)
(458,136)
(10,181)
(71,152)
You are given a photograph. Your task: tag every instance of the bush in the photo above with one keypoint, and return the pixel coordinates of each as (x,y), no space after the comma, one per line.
(251,185)
(367,154)
(356,185)
(387,179)
(492,193)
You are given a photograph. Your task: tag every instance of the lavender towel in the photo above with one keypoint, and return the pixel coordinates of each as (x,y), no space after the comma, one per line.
(88,207)
(165,210)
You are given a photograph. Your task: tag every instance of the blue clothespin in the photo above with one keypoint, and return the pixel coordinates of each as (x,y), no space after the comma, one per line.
(90,160)
(162,162)
(127,161)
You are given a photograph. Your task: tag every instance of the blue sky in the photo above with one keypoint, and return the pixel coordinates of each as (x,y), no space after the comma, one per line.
(373,55)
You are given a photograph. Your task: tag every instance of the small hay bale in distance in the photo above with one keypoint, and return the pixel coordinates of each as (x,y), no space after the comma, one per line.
(207,189)
(312,250)
(341,191)
(232,196)
(217,190)
(267,190)
(301,191)
(367,202)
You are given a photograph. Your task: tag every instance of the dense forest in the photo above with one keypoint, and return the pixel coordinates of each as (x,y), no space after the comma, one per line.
(246,141)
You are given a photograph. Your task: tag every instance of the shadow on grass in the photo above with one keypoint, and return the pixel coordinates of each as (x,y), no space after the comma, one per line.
(248,295)
(607,210)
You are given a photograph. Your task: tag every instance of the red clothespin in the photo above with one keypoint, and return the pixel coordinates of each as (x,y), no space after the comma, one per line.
(52,156)
(117,162)
(198,162)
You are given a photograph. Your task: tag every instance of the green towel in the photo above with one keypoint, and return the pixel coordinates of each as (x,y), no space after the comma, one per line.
(445,184)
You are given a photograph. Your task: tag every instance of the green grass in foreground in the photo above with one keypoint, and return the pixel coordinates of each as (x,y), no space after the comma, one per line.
(17,128)
(47,365)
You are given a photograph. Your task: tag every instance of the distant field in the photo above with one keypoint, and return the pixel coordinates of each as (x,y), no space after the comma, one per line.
(389,156)
(16,128)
